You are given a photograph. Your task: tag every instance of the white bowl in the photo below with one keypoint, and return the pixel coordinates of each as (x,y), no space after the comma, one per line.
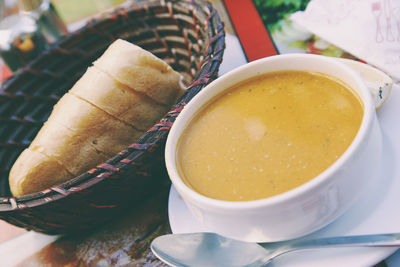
(306,208)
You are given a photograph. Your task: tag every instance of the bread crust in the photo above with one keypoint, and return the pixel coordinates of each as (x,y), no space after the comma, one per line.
(141,71)
(70,148)
(104,132)
(118,100)
(32,163)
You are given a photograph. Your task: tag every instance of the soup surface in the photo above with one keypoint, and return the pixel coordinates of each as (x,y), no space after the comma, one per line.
(267,135)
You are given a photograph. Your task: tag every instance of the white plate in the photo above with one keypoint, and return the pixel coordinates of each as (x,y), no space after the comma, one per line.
(376,212)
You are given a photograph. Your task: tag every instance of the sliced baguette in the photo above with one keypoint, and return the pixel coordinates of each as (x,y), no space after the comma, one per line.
(70,148)
(104,132)
(118,100)
(140,70)
(32,163)
(110,107)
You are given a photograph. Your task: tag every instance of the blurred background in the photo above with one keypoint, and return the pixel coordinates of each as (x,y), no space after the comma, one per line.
(27,27)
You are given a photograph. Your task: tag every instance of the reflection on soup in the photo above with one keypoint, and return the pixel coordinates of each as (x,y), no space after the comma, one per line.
(268,135)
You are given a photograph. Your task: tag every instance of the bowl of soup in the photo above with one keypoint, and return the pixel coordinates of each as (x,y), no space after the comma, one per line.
(275,149)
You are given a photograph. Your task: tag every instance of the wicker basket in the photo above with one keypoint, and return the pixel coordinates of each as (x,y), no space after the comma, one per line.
(187,34)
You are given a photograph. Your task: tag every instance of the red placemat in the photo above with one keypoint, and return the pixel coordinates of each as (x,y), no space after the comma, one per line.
(253,36)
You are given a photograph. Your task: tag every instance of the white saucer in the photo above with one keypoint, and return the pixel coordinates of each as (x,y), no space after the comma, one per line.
(376,212)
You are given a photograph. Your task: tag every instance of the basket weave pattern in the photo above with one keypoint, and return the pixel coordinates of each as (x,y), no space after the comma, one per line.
(187,34)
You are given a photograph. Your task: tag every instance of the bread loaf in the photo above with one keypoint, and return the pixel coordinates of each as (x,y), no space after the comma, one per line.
(139,70)
(126,91)
(34,163)
(118,100)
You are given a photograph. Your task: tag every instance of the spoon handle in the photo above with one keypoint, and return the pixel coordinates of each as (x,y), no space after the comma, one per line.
(375,240)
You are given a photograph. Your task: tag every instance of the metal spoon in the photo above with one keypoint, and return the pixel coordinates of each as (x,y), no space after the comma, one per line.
(210,249)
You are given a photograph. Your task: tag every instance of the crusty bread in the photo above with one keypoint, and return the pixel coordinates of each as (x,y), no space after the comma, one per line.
(32,163)
(110,107)
(141,71)
(100,130)
(118,100)
(63,145)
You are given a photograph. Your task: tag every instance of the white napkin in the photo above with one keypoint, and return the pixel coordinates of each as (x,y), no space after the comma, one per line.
(367,29)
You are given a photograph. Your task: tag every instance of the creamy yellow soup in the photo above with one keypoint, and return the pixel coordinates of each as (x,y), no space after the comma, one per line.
(268,135)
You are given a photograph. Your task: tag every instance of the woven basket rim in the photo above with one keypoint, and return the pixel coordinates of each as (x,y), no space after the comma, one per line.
(146,142)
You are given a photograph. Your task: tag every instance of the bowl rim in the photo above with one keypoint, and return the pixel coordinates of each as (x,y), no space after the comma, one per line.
(205,97)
